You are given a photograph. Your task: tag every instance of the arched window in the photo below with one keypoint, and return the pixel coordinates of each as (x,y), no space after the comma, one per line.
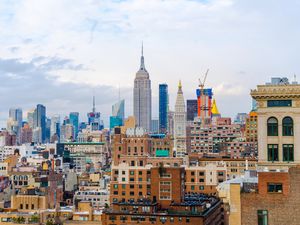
(287,126)
(272,126)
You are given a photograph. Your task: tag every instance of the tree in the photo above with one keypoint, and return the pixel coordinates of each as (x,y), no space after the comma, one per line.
(49,222)
(34,218)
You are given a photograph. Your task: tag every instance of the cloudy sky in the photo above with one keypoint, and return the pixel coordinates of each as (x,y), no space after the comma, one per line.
(59,52)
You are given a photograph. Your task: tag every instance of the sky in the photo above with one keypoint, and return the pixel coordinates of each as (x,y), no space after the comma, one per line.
(61,52)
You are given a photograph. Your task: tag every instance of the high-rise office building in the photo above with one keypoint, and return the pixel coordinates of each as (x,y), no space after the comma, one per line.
(191,109)
(163,108)
(30,118)
(14,123)
(55,126)
(94,118)
(118,109)
(39,123)
(142,97)
(48,130)
(118,114)
(74,120)
(180,124)
(154,126)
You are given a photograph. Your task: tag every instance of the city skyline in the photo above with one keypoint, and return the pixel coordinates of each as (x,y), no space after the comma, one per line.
(79,54)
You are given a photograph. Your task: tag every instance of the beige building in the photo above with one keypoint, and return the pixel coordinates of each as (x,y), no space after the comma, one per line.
(278,123)
(28,203)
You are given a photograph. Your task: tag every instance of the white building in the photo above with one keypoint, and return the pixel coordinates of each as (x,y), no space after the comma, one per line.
(98,198)
(180,124)
(142,97)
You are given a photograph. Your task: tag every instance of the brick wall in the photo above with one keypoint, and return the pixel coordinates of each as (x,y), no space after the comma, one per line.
(283,208)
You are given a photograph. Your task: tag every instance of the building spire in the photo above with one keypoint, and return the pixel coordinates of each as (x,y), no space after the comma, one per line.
(94,105)
(179,87)
(142,67)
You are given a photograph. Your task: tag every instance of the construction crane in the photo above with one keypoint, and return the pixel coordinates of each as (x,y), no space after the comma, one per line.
(201,84)
(201,98)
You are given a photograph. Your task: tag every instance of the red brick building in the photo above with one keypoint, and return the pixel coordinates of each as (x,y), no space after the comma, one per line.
(276,201)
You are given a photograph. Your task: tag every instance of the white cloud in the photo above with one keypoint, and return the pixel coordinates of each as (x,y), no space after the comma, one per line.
(181,39)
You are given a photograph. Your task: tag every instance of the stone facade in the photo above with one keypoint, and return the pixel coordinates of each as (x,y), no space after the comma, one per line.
(269,99)
(142,97)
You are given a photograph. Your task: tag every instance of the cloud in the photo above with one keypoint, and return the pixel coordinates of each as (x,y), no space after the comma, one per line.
(26,84)
(97,43)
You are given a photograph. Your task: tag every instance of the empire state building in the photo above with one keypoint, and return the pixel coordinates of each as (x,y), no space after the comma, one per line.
(142,97)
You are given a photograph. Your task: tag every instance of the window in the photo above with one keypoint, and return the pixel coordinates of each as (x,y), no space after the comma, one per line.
(140,172)
(201,187)
(279,103)
(288,152)
(21,206)
(131,172)
(32,206)
(192,187)
(274,188)
(262,216)
(272,152)
(272,126)
(201,173)
(123,178)
(115,186)
(287,126)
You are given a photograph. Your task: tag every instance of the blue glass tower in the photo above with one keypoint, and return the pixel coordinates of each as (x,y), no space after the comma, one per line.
(40,122)
(163,108)
(74,120)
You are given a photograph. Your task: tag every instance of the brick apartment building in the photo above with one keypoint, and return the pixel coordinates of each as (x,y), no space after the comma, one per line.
(167,203)
(276,200)
(150,186)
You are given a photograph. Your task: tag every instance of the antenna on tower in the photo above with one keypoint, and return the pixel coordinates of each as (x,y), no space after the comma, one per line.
(94,104)
(119,93)
(142,48)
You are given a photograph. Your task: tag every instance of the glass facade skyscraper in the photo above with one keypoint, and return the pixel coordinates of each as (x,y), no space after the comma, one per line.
(40,123)
(118,114)
(74,120)
(191,109)
(163,108)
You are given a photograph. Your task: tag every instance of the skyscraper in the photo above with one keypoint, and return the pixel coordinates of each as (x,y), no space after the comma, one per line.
(142,97)
(191,109)
(14,124)
(94,118)
(39,123)
(163,108)
(55,126)
(118,114)
(180,124)
(118,109)
(30,118)
(74,120)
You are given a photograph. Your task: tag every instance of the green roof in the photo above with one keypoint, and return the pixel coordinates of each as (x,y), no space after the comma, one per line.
(162,153)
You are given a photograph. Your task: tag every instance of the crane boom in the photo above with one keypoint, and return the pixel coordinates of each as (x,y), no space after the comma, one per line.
(205,77)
